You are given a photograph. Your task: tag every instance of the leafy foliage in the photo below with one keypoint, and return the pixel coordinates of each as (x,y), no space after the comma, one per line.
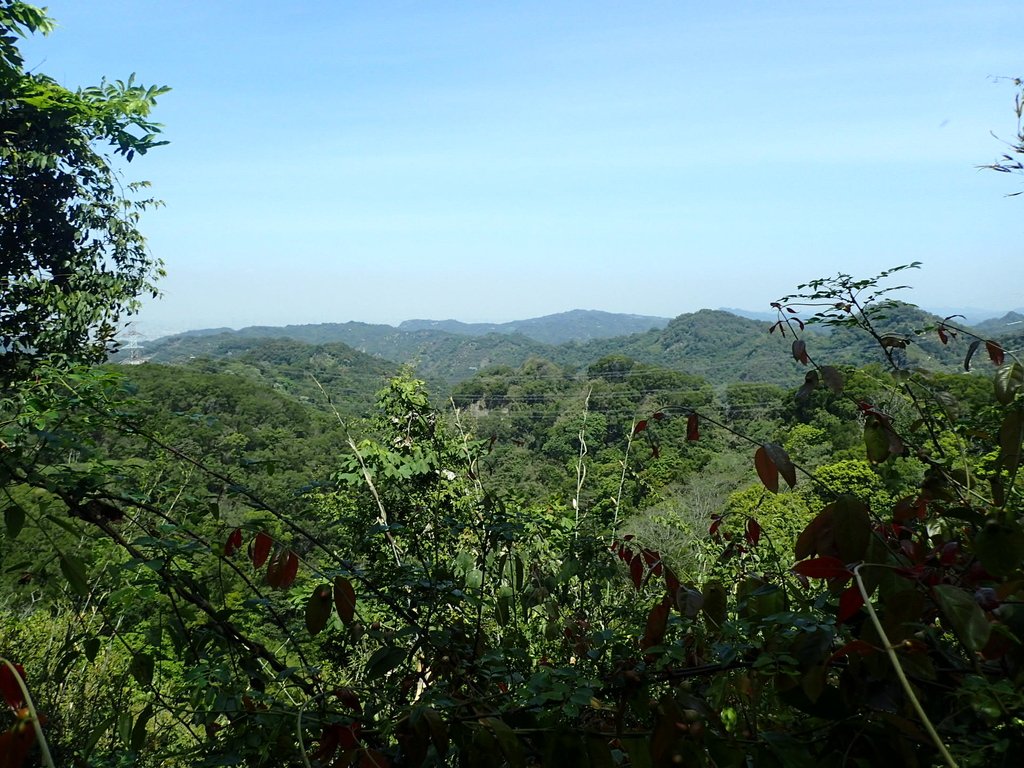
(73,259)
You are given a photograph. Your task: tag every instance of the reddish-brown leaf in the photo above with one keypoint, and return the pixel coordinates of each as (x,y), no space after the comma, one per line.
(995,352)
(349,698)
(671,582)
(290,569)
(318,609)
(833,378)
(909,508)
(800,351)
(692,427)
(640,426)
(858,647)
(261,549)
(782,462)
(942,335)
(233,543)
(823,568)
(15,744)
(344,600)
(636,571)
(658,416)
(753,531)
(810,384)
(766,470)
(850,603)
(273,576)
(371,758)
(9,688)
(657,622)
(818,536)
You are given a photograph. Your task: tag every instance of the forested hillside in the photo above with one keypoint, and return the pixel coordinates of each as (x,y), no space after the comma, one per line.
(722,543)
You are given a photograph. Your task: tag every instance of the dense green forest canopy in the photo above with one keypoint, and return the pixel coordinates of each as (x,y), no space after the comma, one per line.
(718,543)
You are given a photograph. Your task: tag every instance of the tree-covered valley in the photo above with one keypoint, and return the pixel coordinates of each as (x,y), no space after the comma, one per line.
(585,539)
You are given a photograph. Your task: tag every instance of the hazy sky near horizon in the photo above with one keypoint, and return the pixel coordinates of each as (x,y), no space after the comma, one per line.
(380,161)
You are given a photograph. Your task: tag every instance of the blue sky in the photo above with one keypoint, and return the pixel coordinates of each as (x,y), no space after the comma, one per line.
(379,161)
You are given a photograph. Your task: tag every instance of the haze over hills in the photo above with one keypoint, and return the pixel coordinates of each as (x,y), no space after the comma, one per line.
(575,325)
(720,345)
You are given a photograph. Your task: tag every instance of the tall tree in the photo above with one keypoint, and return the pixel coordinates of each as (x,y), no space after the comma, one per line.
(72,259)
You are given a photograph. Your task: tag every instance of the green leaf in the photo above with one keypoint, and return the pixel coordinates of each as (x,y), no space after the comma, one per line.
(876,442)
(141,668)
(1009,380)
(138,737)
(383,661)
(14,520)
(1011,434)
(715,603)
(124,728)
(965,616)
(1000,548)
(74,571)
(92,647)
(507,740)
(96,734)
(852,528)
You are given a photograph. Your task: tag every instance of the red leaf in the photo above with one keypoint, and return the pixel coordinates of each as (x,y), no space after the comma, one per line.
(349,736)
(658,416)
(858,647)
(650,556)
(995,352)
(692,427)
(344,599)
(9,688)
(261,549)
(349,698)
(766,470)
(753,531)
(234,542)
(640,426)
(781,460)
(943,337)
(277,569)
(15,745)
(908,508)
(290,570)
(850,603)
(715,525)
(636,571)
(823,568)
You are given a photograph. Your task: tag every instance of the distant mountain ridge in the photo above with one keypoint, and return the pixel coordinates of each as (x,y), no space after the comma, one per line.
(720,345)
(559,328)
